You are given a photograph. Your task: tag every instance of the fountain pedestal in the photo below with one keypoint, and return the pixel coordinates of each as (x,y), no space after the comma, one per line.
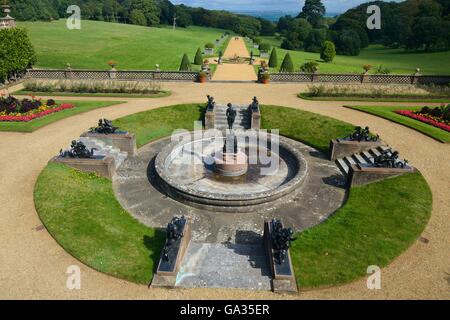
(231,162)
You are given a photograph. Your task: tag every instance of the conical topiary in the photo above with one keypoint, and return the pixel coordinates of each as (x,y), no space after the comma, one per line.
(273,61)
(287,65)
(328,51)
(185,63)
(198,57)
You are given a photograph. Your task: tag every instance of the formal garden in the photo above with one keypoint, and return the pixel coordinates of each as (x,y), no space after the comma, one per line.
(137,171)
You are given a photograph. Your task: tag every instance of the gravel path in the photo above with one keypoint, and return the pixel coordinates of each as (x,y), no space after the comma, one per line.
(34,265)
(233,72)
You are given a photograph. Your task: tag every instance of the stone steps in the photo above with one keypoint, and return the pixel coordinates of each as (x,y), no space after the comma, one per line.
(104,149)
(243,118)
(366,157)
(216,265)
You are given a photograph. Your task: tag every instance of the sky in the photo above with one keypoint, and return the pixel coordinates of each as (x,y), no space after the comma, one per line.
(335,6)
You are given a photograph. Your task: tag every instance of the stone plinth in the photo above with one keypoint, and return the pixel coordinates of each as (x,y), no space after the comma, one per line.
(126,142)
(283,277)
(209,119)
(231,165)
(167,271)
(256,120)
(104,166)
(343,148)
(362,175)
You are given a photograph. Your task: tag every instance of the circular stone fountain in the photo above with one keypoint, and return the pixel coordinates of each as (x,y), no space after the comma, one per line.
(204,173)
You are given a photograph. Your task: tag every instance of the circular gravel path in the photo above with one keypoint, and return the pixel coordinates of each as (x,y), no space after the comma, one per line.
(34,265)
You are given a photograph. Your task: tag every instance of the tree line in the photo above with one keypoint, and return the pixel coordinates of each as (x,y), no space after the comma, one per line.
(141,12)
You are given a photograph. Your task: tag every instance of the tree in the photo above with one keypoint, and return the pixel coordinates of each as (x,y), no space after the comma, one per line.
(328,51)
(16,53)
(315,40)
(313,11)
(287,65)
(273,61)
(265,47)
(185,63)
(137,17)
(198,57)
(348,43)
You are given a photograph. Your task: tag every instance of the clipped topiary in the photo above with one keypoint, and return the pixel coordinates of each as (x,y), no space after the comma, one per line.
(328,51)
(309,67)
(198,57)
(273,61)
(287,65)
(185,63)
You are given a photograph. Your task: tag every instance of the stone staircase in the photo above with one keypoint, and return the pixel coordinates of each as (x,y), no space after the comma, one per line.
(104,149)
(366,157)
(214,265)
(243,118)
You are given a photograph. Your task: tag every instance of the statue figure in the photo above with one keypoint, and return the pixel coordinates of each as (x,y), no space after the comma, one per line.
(104,127)
(389,159)
(231,116)
(281,240)
(251,57)
(211,103)
(77,150)
(174,233)
(254,106)
(361,134)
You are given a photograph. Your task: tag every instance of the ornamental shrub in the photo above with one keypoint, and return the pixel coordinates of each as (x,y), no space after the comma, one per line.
(309,67)
(287,65)
(328,51)
(198,57)
(273,61)
(185,63)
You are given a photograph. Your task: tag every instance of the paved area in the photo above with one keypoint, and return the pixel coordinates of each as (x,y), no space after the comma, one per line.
(235,72)
(208,265)
(34,265)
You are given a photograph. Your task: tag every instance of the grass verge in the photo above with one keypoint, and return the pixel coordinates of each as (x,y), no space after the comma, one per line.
(33,125)
(378,222)
(102,95)
(90,224)
(388,112)
(305,96)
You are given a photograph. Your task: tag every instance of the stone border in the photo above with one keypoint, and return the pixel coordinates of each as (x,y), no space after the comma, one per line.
(208,201)
(360,175)
(343,148)
(126,142)
(103,166)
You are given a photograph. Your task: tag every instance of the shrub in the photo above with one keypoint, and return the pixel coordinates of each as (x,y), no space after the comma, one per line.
(382,70)
(287,65)
(265,47)
(328,51)
(257,41)
(309,67)
(16,53)
(273,61)
(198,57)
(185,63)
(209,45)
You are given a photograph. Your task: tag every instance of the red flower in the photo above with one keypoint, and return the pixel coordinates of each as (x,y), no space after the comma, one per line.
(36,115)
(410,114)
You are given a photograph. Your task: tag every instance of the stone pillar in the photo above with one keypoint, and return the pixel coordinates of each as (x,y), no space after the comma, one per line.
(415,77)
(315,76)
(365,77)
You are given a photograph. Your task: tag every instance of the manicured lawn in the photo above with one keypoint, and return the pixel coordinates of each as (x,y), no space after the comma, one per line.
(81,212)
(397,60)
(133,47)
(312,129)
(80,107)
(101,95)
(388,112)
(393,99)
(378,222)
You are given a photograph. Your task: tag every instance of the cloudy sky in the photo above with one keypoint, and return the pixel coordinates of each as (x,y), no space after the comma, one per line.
(268,5)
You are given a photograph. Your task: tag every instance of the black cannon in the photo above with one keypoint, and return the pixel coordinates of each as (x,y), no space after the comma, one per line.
(281,240)
(104,127)
(361,134)
(389,159)
(77,150)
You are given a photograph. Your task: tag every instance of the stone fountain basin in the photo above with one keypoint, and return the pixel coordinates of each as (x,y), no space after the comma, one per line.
(199,185)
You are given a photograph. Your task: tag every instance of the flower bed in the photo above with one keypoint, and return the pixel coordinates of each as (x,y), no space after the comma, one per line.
(424,118)
(14,110)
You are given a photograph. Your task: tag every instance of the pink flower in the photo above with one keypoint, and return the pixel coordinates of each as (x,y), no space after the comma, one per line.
(410,114)
(27,118)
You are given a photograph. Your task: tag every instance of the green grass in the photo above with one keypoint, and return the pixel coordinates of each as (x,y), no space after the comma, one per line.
(378,222)
(311,128)
(305,96)
(388,112)
(81,212)
(80,107)
(101,95)
(133,47)
(397,60)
